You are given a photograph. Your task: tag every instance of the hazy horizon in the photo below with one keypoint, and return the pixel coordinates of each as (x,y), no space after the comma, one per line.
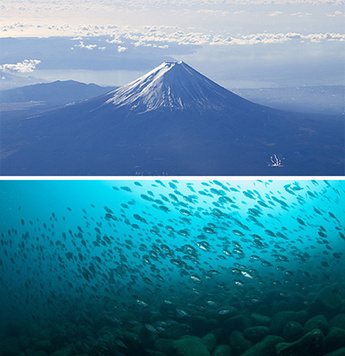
(237,43)
(117,78)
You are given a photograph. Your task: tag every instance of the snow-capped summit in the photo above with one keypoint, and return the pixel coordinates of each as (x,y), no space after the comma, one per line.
(172,86)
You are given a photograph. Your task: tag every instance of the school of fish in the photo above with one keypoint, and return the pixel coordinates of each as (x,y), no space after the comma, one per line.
(172,248)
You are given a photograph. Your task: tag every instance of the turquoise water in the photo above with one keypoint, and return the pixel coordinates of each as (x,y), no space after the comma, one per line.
(101,250)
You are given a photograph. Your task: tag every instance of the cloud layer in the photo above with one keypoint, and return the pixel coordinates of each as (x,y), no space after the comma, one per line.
(26,66)
(163,36)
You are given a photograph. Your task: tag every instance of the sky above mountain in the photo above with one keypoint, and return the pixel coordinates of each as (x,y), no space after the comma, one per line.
(238,43)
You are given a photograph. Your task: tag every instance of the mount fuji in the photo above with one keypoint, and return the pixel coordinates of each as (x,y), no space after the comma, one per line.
(172,121)
(172,86)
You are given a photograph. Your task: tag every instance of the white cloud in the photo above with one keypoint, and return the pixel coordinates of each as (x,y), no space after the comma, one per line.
(301,14)
(26,66)
(121,49)
(145,39)
(318,37)
(275,13)
(336,13)
(271,38)
(161,36)
(213,12)
(89,47)
(116,41)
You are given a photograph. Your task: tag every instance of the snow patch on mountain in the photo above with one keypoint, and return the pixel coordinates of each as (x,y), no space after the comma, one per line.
(172,86)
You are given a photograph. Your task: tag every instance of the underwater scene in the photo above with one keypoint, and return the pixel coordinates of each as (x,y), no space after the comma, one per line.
(172,267)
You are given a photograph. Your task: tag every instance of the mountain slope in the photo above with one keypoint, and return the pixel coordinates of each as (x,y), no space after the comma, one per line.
(172,121)
(53,94)
(173,86)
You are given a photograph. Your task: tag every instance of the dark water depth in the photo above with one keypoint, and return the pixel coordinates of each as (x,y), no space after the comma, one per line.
(166,267)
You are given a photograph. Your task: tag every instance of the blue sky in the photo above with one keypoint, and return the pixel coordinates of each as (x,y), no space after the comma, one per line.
(238,43)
